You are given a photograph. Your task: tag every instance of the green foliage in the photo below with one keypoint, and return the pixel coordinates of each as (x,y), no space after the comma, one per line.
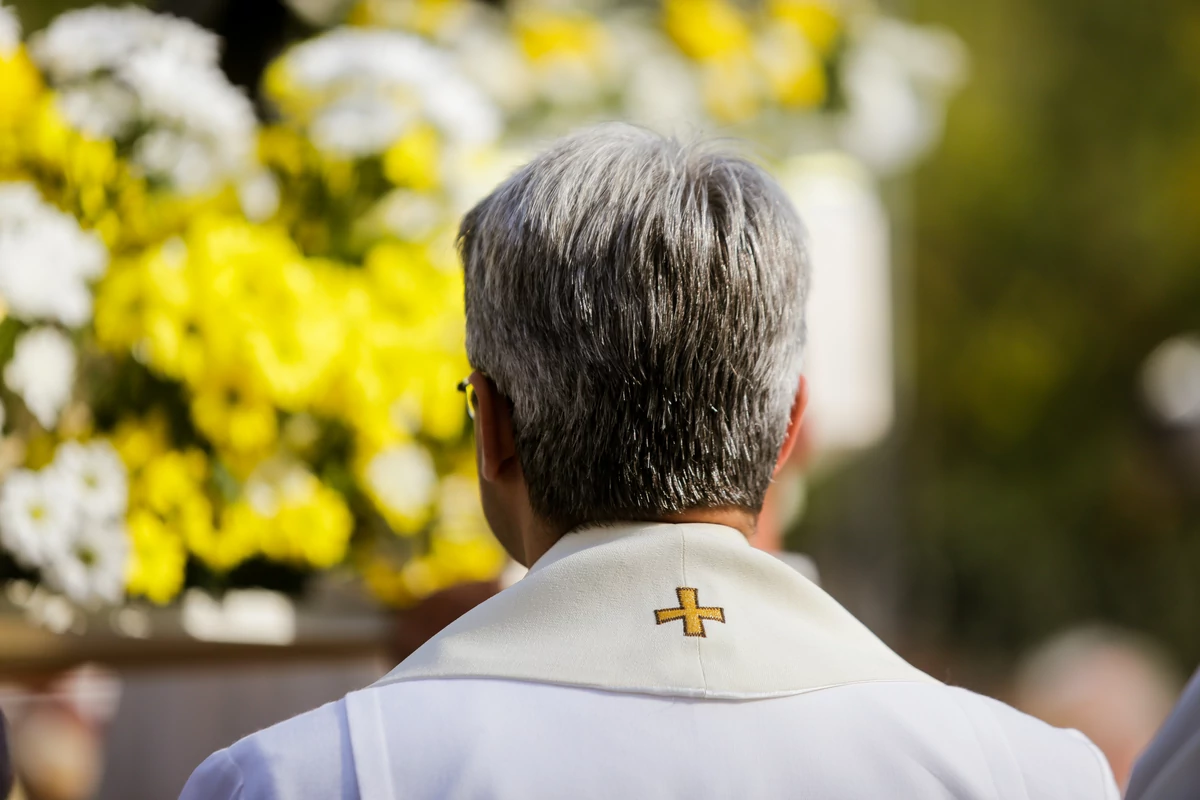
(1058,242)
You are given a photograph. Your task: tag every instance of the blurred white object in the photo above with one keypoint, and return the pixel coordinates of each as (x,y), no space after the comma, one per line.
(10,31)
(37,516)
(253,616)
(802,564)
(372,84)
(42,373)
(403,479)
(1114,687)
(848,360)
(898,78)
(1171,381)
(128,70)
(46,259)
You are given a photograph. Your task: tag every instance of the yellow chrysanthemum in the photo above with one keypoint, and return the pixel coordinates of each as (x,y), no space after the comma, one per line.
(318,528)
(818,21)
(121,303)
(307,523)
(140,441)
(233,410)
(236,539)
(413,161)
(171,488)
(157,558)
(548,36)
(795,74)
(20,85)
(707,29)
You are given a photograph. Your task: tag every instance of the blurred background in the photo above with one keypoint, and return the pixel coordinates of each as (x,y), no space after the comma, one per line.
(236,479)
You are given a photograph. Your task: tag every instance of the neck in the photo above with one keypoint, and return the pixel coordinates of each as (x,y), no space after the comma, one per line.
(538,538)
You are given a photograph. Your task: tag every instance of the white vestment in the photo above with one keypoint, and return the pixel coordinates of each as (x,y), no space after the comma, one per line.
(658,661)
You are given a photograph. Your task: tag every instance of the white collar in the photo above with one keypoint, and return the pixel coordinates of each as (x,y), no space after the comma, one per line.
(587,615)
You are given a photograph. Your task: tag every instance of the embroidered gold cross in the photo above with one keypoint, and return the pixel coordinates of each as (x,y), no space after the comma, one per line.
(693,617)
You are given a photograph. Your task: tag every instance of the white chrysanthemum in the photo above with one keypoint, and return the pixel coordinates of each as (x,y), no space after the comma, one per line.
(103,109)
(10,31)
(371,69)
(98,475)
(81,43)
(258,196)
(46,259)
(359,125)
(37,516)
(403,479)
(129,70)
(196,98)
(42,372)
(91,568)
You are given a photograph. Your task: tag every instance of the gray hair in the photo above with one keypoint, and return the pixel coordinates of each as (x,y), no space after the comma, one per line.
(640,302)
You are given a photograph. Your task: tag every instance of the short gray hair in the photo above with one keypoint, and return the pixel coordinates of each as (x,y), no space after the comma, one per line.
(640,302)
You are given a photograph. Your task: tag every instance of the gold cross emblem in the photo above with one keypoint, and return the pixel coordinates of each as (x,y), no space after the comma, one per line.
(693,617)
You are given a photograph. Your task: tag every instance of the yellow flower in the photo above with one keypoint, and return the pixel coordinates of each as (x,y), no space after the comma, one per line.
(233,410)
(426,17)
(706,29)
(317,528)
(121,302)
(157,558)
(171,489)
(818,21)
(547,36)
(140,441)
(20,85)
(413,160)
(236,539)
(794,73)
(304,522)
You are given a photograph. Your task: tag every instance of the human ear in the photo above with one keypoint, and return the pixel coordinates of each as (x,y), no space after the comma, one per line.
(799,405)
(493,429)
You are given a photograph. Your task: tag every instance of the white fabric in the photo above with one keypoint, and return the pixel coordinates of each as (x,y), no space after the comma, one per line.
(584,616)
(565,686)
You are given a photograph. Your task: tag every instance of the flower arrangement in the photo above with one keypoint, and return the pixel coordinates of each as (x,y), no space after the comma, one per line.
(229,348)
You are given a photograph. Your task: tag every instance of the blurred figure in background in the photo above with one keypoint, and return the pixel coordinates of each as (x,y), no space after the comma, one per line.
(6,776)
(1113,686)
(1170,767)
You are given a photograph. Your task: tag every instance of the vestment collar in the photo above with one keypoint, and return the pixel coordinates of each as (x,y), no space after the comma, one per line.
(689,610)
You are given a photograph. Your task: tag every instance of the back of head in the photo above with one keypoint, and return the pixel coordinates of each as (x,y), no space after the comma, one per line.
(640,303)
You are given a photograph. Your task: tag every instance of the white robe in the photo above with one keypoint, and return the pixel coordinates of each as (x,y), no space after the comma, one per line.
(658,661)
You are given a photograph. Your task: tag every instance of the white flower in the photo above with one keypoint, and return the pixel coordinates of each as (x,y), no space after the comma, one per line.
(46,259)
(360,125)
(42,372)
(362,72)
(103,109)
(127,70)
(98,477)
(91,568)
(403,478)
(258,196)
(37,516)
(80,43)
(897,79)
(10,31)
